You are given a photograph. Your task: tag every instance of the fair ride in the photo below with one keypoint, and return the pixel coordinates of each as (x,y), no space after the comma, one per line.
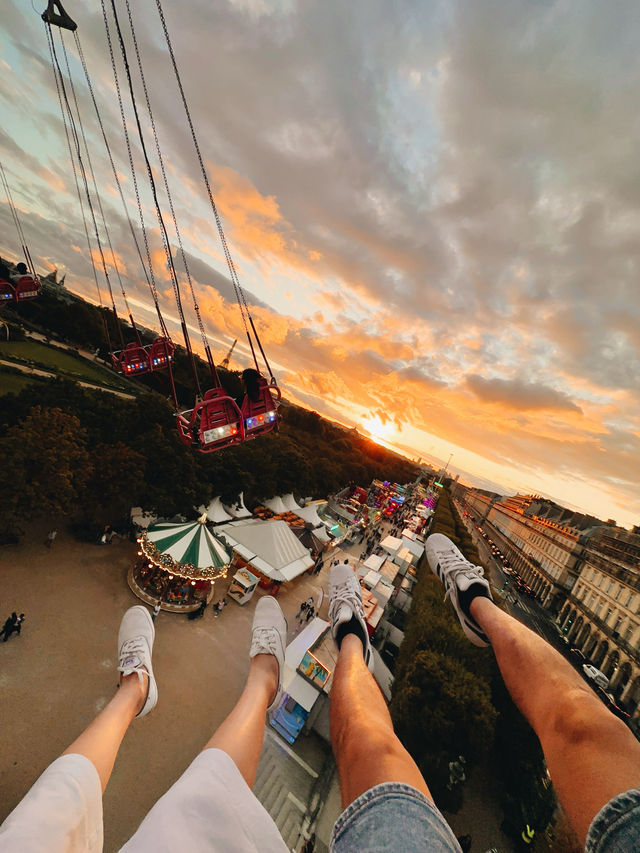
(215,420)
(24,284)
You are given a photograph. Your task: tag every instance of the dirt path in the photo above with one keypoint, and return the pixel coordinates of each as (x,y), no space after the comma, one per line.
(36,371)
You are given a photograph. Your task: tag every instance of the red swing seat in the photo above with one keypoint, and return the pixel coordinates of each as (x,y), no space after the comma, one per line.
(260,416)
(7,291)
(27,287)
(161,353)
(214,422)
(132,360)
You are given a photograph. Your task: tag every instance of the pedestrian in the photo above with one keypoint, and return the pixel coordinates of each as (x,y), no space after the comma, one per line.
(18,625)
(310,845)
(7,628)
(219,607)
(157,609)
(51,535)
(301,609)
(311,612)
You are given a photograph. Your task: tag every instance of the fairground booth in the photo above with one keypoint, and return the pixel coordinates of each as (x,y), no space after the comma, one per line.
(178,565)
(268,549)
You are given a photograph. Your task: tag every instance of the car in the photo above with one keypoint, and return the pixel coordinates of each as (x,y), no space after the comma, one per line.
(595,675)
(611,704)
(578,654)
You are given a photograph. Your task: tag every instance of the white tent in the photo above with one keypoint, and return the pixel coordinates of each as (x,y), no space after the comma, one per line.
(391,544)
(308,513)
(237,510)
(276,505)
(141,518)
(416,548)
(215,512)
(270,547)
(290,503)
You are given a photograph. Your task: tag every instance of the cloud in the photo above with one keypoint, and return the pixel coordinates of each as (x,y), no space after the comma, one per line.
(435,218)
(516,394)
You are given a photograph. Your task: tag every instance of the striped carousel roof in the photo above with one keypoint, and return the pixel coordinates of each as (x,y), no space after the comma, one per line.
(189,548)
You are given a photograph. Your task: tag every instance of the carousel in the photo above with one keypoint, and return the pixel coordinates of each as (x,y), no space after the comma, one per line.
(178,565)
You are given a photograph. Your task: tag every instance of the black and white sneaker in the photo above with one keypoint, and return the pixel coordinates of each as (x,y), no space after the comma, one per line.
(346,613)
(458,576)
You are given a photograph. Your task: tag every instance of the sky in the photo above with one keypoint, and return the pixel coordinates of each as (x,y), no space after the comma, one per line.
(433,208)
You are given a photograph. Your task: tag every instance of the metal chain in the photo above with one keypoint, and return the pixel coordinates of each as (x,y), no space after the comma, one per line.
(151,280)
(240,297)
(93,176)
(196,308)
(83,174)
(110,156)
(49,34)
(152,183)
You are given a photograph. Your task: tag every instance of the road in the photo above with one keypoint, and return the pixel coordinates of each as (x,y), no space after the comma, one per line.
(522,607)
(36,371)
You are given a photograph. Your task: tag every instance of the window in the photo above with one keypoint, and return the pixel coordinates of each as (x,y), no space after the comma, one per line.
(628,632)
(617,596)
(617,623)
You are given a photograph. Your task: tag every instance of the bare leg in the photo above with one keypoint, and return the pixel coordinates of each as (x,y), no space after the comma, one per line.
(241,734)
(365,745)
(100,741)
(591,755)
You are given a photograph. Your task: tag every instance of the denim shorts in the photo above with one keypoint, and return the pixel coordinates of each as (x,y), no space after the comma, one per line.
(392,816)
(616,827)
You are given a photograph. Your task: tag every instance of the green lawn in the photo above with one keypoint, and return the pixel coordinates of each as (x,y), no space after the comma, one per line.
(12,383)
(61,362)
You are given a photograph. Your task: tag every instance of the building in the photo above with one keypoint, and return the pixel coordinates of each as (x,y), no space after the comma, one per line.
(602,614)
(584,571)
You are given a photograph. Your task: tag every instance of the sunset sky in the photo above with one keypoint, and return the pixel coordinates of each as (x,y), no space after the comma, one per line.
(434,208)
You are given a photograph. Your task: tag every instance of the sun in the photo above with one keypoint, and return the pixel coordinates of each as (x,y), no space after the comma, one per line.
(374,426)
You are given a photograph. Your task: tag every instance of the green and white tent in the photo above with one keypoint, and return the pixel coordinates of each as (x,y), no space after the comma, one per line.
(188,549)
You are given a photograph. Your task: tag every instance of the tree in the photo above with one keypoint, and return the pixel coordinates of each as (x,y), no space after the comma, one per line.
(46,465)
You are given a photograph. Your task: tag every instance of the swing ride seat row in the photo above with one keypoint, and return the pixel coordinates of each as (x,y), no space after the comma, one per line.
(26,287)
(217,421)
(136,359)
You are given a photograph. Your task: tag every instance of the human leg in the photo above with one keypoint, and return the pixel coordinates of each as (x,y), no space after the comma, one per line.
(366,748)
(63,809)
(241,734)
(211,807)
(385,798)
(591,754)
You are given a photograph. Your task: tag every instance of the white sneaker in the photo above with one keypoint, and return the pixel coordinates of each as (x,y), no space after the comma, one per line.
(345,604)
(269,636)
(457,575)
(135,644)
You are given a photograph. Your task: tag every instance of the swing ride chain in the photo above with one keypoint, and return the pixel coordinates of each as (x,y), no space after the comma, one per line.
(163,228)
(76,140)
(196,308)
(14,213)
(93,176)
(151,279)
(244,309)
(109,154)
(49,34)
